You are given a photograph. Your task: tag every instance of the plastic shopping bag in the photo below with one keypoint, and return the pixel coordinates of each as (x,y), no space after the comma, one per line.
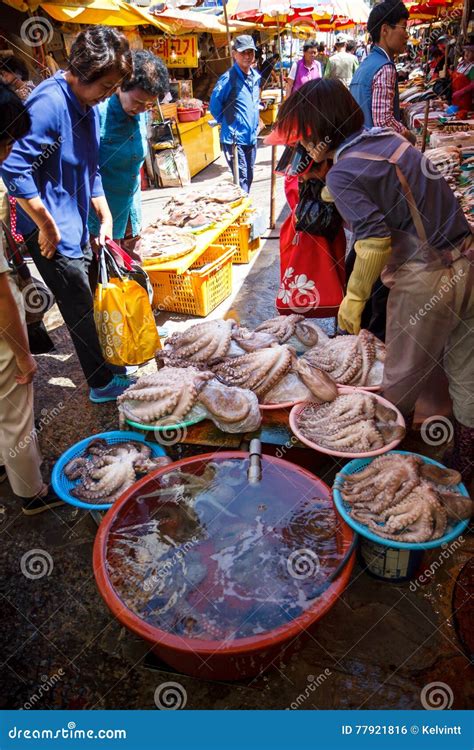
(123,316)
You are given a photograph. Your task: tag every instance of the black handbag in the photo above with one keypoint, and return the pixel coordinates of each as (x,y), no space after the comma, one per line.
(315,216)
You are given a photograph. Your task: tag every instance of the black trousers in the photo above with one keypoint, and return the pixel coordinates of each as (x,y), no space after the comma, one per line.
(374,315)
(72,281)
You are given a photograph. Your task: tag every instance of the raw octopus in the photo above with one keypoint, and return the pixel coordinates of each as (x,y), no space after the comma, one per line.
(106,470)
(253,360)
(353,422)
(350,360)
(167,398)
(403,498)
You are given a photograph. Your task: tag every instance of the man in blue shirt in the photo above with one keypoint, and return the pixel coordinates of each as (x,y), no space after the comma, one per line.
(235,105)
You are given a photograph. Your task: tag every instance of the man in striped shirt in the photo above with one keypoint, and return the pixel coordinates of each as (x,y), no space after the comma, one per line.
(374,85)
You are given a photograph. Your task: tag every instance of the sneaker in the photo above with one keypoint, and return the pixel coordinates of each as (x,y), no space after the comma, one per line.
(3,474)
(112,390)
(123,369)
(38,504)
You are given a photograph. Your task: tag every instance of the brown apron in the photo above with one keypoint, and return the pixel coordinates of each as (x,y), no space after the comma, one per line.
(430,310)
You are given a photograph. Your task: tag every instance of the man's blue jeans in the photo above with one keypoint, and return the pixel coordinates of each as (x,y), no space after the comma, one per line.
(246,156)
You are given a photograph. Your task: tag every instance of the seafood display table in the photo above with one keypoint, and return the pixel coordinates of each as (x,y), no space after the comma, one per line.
(203,241)
(198,282)
(274,434)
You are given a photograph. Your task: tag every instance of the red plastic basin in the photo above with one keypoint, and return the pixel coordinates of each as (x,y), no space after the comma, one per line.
(189,115)
(219,660)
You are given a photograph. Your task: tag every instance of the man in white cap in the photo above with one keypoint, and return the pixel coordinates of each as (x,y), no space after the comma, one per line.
(235,104)
(342,64)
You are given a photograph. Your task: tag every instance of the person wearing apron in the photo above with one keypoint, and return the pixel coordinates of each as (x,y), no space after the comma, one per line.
(409,227)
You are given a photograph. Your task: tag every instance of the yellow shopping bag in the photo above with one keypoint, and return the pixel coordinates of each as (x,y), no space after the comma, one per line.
(123,316)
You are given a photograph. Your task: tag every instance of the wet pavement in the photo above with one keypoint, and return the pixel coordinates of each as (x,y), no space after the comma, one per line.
(381,646)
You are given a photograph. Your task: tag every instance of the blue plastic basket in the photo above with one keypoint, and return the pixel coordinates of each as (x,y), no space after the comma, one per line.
(357,465)
(63,486)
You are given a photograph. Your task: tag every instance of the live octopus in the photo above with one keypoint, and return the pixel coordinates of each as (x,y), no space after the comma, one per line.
(350,360)
(402,498)
(106,470)
(353,422)
(169,396)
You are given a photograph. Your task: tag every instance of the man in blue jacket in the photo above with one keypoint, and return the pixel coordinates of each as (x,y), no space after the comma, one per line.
(235,105)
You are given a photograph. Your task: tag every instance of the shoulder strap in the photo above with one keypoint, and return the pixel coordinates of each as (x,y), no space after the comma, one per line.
(407,192)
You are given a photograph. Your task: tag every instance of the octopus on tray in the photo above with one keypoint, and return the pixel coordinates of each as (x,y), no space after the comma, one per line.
(353,422)
(106,470)
(265,370)
(200,343)
(401,497)
(350,360)
(169,396)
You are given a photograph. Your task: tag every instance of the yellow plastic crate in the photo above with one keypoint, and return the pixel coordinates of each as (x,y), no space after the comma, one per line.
(199,290)
(269,115)
(238,234)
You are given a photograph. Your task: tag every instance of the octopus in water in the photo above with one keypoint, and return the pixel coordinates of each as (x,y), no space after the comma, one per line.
(106,470)
(401,497)
(168,396)
(350,360)
(353,422)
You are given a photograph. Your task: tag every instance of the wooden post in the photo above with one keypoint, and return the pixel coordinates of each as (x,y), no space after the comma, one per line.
(424,134)
(273,188)
(274,148)
(226,19)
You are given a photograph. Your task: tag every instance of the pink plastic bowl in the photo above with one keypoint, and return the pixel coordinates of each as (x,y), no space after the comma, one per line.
(295,412)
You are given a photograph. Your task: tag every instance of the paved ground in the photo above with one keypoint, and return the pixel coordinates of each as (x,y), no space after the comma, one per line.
(378,647)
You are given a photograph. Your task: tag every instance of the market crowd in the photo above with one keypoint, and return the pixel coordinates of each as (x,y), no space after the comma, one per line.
(71,162)
(71,158)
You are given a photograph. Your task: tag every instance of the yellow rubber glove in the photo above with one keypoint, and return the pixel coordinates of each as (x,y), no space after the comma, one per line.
(372,256)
